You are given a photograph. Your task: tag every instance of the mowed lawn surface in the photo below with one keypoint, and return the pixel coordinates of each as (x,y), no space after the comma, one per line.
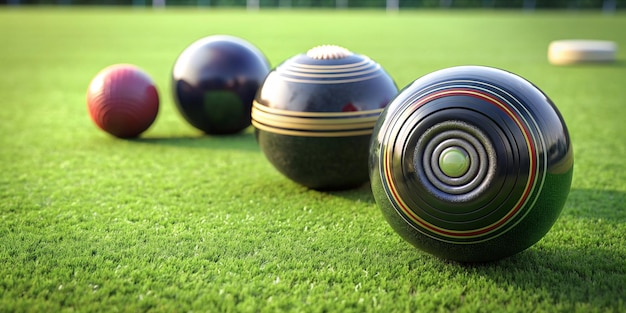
(178,221)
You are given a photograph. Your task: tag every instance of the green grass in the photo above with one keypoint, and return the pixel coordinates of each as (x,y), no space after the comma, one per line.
(177,221)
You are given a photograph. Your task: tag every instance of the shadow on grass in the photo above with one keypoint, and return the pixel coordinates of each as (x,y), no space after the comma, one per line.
(581,269)
(593,276)
(288,188)
(596,204)
(241,141)
(362,193)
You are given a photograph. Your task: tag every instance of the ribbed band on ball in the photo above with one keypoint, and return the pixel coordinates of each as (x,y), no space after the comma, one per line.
(328,52)
(313,124)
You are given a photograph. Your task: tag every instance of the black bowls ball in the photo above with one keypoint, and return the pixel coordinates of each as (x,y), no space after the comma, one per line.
(215,80)
(314,116)
(471,163)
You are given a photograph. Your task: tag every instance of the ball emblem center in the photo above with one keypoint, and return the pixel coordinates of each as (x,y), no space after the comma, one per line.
(454,162)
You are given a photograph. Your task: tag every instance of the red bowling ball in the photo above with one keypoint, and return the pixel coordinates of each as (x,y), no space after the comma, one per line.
(123,100)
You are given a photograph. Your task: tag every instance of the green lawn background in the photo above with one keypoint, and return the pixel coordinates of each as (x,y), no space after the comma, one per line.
(178,221)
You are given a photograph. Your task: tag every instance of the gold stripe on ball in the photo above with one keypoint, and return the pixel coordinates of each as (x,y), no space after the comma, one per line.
(289,132)
(258,106)
(314,124)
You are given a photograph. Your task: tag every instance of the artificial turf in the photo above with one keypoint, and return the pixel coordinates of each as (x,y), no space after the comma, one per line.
(179,221)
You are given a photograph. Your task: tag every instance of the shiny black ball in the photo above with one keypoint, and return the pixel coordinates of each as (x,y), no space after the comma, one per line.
(471,163)
(315,113)
(214,82)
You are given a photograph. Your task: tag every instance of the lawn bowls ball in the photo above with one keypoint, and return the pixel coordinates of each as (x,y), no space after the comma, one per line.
(214,82)
(122,100)
(315,113)
(471,164)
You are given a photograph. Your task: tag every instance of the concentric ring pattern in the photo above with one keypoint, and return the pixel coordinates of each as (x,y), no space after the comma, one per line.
(471,163)
(498,188)
(353,69)
(502,152)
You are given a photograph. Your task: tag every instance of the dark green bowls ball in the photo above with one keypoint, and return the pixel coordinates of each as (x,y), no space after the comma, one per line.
(314,116)
(471,163)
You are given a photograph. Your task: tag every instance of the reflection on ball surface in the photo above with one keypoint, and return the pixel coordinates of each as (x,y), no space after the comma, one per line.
(471,163)
(214,81)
